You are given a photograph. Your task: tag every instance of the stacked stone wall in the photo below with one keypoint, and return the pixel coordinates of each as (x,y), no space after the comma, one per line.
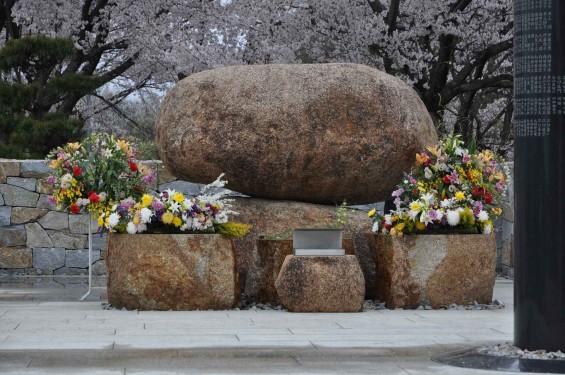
(41,245)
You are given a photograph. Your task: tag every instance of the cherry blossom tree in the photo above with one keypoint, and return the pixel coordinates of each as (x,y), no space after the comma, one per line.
(457,54)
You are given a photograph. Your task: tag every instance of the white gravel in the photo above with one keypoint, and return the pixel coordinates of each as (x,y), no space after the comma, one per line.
(509,350)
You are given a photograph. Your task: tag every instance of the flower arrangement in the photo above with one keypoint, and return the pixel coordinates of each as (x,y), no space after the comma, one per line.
(102,176)
(91,175)
(171,211)
(450,187)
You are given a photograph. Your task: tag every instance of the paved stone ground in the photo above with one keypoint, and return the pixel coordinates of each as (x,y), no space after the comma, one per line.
(40,334)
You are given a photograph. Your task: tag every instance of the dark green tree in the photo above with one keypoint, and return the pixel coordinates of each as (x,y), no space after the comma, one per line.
(34,85)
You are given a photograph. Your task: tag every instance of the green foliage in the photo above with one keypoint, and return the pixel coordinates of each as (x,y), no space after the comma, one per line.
(32,87)
(146,149)
(233,229)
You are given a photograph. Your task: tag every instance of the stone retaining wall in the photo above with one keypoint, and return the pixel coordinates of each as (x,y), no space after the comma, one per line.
(40,245)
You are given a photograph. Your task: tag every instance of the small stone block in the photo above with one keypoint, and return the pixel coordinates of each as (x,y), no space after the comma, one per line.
(34,168)
(14,257)
(17,196)
(26,183)
(14,235)
(48,258)
(321,284)
(79,258)
(22,215)
(37,236)
(5,215)
(10,168)
(78,224)
(55,220)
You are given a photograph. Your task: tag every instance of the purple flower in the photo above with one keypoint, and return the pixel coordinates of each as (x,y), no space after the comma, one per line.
(147,179)
(51,180)
(51,199)
(478,206)
(433,215)
(157,206)
(412,180)
(500,186)
(397,193)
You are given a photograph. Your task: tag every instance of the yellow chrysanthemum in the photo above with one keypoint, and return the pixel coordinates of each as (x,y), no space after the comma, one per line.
(177,222)
(136,220)
(420,225)
(100,221)
(178,197)
(496,211)
(400,227)
(167,218)
(459,196)
(372,212)
(146,200)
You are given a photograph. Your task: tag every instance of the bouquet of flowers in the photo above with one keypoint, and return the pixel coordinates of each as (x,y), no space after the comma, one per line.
(92,175)
(171,212)
(450,187)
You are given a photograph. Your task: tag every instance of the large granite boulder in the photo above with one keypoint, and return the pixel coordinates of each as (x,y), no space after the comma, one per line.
(315,133)
(171,272)
(434,270)
(277,219)
(321,284)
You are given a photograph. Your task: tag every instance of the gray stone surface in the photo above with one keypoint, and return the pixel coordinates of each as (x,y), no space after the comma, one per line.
(68,241)
(14,235)
(36,236)
(26,183)
(99,241)
(48,258)
(99,268)
(78,224)
(44,203)
(187,188)
(55,220)
(70,271)
(1,199)
(5,215)
(15,257)
(17,196)
(79,258)
(22,215)
(43,187)
(34,168)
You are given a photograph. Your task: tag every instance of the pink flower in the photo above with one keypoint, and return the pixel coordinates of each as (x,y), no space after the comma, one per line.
(397,193)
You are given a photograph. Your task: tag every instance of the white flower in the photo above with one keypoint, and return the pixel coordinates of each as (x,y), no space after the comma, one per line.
(375,227)
(83,202)
(174,206)
(66,180)
(221,218)
(487,229)
(107,152)
(113,220)
(141,228)
(453,217)
(145,215)
(428,173)
(483,215)
(428,198)
(102,196)
(446,203)
(459,151)
(425,218)
(388,219)
(131,229)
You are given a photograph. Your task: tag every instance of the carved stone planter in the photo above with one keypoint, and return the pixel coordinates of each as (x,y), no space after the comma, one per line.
(434,270)
(171,272)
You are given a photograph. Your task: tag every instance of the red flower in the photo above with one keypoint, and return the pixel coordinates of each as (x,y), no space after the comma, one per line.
(132,167)
(75,208)
(488,197)
(77,171)
(93,197)
(446,179)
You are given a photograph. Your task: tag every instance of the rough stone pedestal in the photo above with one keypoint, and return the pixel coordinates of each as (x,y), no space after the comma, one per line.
(171,272)
(321,284)
(268,258)
(434,270)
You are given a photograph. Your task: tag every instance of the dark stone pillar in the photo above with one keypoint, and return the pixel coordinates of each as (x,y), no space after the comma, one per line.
(539,124)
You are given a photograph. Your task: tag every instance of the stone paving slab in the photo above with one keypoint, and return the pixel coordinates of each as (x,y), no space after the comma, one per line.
(47,337)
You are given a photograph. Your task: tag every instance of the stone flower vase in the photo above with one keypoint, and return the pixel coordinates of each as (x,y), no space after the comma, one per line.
(171,272)
(436,270)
